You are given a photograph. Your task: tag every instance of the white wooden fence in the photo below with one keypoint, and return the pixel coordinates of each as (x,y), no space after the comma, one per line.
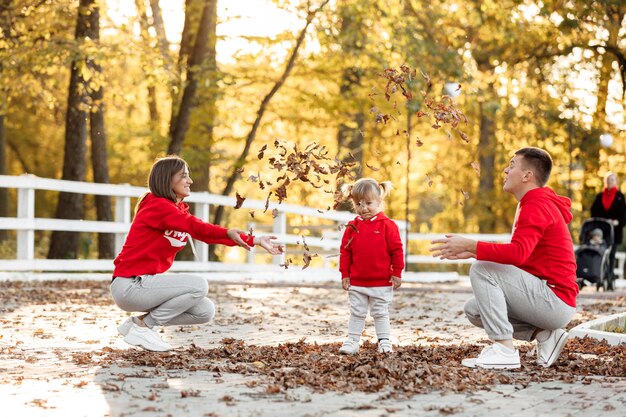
(26,224)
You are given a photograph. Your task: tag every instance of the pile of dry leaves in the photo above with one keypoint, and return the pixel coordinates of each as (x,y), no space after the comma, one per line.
(408,371)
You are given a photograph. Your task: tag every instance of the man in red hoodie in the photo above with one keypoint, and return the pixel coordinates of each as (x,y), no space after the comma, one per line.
(525,289)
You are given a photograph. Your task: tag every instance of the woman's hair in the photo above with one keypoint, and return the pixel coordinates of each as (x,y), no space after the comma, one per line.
(366,188)
(161,173)
(608,175)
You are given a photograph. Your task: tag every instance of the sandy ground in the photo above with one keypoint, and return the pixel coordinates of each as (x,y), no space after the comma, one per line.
(47,329)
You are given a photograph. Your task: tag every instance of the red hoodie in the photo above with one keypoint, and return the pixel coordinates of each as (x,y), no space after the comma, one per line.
(541,243)
(161,229)
(371,252)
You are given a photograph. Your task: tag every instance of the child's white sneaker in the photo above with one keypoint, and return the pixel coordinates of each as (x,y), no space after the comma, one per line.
(349,347)
(384,346)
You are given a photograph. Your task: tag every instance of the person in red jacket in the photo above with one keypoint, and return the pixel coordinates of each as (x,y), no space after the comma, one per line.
(161,228)
(525,289)
(371,260)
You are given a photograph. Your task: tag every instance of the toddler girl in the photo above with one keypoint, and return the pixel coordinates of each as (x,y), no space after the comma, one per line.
(371,262)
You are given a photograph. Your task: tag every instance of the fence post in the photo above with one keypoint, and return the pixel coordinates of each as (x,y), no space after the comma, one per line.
(26,210)
(122,215)
(202,211)
(280,230)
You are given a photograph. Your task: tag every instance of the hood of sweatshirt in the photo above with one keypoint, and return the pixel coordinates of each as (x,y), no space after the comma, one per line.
(563,204)
(380,216)
(151,198)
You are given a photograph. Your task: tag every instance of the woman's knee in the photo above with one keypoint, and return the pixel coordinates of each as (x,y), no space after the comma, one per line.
(199,286)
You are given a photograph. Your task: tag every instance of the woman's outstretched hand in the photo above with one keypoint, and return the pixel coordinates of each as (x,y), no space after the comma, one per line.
(235,236)
(266,242)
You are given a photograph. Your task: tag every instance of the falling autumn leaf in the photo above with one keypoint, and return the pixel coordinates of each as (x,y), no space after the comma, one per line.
(261,152)
(430,181)
(240,200)
(476,167)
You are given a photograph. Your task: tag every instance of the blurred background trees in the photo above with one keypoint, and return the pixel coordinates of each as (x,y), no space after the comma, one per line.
(197,77)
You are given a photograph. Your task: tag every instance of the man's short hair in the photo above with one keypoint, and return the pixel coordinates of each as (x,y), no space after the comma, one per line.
(538,161)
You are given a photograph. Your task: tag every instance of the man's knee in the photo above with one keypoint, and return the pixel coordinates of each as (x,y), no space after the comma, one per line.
(472,312)
(207,311)
(480,272)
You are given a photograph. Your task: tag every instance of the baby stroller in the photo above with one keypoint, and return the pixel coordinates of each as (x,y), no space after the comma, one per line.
(593,259)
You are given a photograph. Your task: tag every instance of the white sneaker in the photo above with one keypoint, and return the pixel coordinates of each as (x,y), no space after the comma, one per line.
(349,347)
(384,346)
(146,338)
(548,351)
(494,357)
(124,328)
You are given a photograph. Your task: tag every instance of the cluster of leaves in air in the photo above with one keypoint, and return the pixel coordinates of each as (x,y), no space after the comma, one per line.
(444,111)
(312,166)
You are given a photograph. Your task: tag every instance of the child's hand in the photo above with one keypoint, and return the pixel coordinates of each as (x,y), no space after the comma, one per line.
(345,283)
(397,282)
(235,236)
(266,243)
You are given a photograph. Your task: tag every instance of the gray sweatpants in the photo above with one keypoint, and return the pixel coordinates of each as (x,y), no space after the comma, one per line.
(168,299)
(511,303)
(377,300)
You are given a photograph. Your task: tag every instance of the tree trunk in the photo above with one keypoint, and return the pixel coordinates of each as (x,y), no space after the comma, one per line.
(64,245)
(5,28)
(4,193)
(164,46)
(202,146)
(145,36)
(159,28)
(352,39)
(230,182)
(487,161)
(180,123)
(99,161)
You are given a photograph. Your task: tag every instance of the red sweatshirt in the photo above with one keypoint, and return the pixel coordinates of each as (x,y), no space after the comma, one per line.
(371,252)
(541,243)
(161,229)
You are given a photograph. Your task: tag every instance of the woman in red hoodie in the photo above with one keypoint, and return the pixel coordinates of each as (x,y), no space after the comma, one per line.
(525,289)
(371,261)
(161,228)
